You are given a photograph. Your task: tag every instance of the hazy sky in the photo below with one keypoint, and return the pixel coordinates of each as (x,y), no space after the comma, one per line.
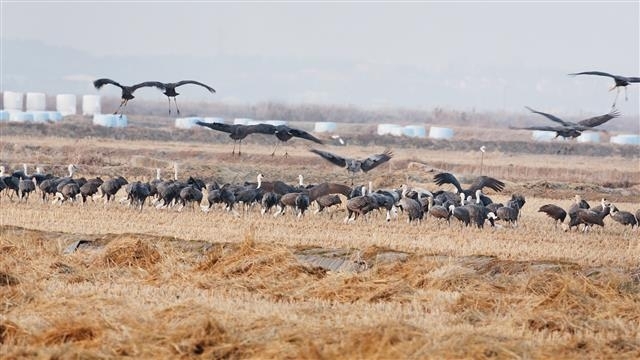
(485,55)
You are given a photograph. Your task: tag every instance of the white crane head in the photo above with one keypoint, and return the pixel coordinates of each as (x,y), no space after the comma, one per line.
(451,208)
(483,148)
(72,169)
(462,199)
(158,173)
(2,170)
(300,180)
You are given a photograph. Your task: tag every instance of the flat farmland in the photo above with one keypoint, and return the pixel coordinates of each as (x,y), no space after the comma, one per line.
(164,283)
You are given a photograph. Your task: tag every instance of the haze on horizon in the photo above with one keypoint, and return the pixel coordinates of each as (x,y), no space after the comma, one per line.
(485,56)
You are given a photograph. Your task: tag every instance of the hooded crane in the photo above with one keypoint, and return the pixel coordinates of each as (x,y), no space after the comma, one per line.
(619,81)
(568,129)
(170,90)
(127,91)
(555,212)
(355,165)
(238,132)
(480,183)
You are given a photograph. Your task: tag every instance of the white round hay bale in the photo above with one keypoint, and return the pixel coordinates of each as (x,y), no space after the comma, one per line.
(107,120)
(91,104)
(20,116)
(187,122)
(396,130)
(212,120)
(415,131)
(66,104)
(36,101)
(241,121)
(436,132)
(13,100)
(589,137)
(54,116)
(324,126)
(384,129)
(276,122)
(539,135)
(4,115)
(121,121)
(625,139)
(40,116)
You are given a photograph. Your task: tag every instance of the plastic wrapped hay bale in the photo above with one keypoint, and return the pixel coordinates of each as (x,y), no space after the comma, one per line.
(91,104)
(20,116)
(589,137)
(106,120)
(384,129)
(625,139)
(212,120)
(40,116)
(276,122)
(415,131)
(36,101)
(13,100)
(121,121)
(436,132)
(54,116)
(539,135)
(66,104)
(4,115)
(324,126)
(186,122)
(396,130)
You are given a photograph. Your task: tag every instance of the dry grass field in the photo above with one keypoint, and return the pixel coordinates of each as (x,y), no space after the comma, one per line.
(167,284)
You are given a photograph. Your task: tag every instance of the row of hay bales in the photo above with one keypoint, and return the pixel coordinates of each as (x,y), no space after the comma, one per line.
(418,131)
(589,137)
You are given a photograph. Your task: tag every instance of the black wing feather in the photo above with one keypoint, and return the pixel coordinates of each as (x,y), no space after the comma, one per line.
(375,160)
(183,82)
(101,82)
(599,120)
(304,135)
(550,117)
(486,181)
(333,158)
(599,73)
(217,126)
(156,84)
(447,178)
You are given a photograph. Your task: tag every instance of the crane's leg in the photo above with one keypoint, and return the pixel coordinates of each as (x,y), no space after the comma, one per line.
(122,102)
(625,94)
(239,147)
(234,147)
(123,108)
(616,98)
(276,147)
(168,98)
(175,102)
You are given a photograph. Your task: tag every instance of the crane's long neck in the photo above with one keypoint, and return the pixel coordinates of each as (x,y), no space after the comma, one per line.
(158,174)
(300,181)
(462,199)
(175,171)
(259,181)
(24,166)
(72,170)
(2,170)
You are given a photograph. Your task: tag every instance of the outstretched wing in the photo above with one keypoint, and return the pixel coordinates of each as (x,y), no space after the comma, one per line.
(333,158)
(261,129)
(101,82)
(304,135)
(550,117)
(633,79)
(156,84)
(375,160)
(447,178)
(599,120)
(486,181)
(599,73)
(216,126)
(183,82)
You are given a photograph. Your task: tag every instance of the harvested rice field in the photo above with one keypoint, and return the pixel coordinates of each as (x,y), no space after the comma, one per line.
(100,280)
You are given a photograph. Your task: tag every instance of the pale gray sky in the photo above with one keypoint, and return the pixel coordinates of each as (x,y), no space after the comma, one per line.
(462,55)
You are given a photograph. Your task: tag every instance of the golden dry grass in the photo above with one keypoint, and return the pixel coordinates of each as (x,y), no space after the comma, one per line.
(168,284)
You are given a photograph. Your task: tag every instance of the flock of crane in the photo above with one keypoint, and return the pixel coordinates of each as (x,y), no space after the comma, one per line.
(470,206)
